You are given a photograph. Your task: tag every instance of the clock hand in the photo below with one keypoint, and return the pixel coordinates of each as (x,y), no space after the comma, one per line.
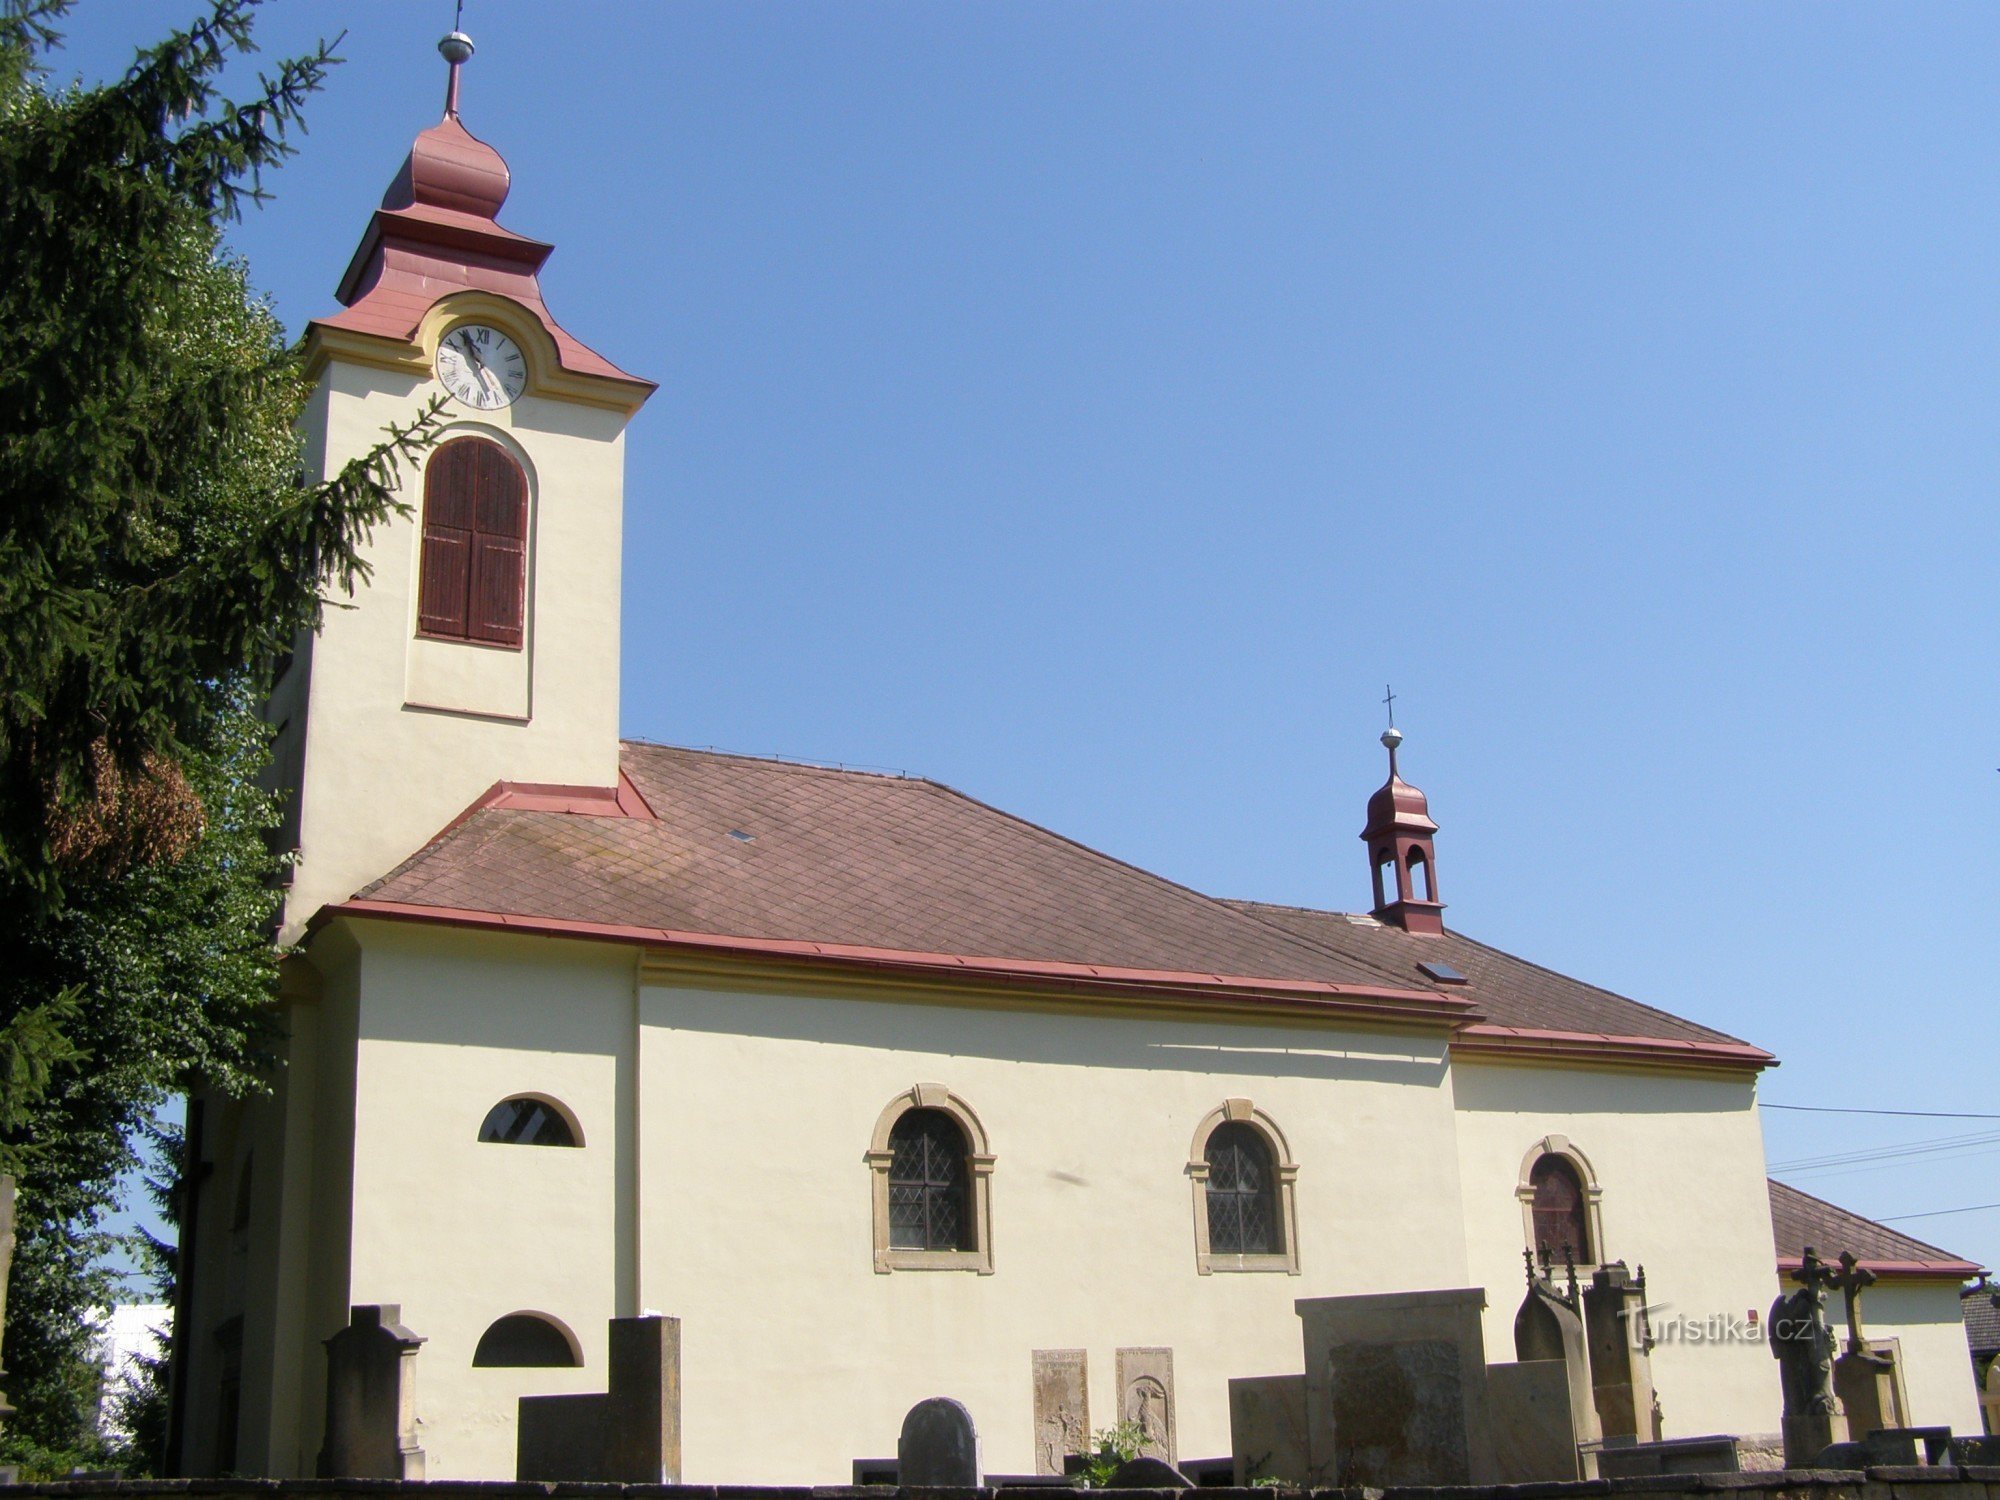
(465,345)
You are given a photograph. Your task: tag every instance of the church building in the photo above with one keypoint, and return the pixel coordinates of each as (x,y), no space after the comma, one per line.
(881,1091)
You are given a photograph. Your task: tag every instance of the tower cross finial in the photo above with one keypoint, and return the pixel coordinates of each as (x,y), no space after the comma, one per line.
(1389,699)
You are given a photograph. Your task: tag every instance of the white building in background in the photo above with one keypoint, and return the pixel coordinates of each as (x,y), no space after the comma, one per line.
(125,1337)
(877,1088)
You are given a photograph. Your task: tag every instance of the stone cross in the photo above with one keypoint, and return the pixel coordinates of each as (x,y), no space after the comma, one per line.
(1850,1280)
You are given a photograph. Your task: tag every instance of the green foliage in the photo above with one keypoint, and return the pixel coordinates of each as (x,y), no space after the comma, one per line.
(155,537)
(159,549)
(1110,1447)
(172,970)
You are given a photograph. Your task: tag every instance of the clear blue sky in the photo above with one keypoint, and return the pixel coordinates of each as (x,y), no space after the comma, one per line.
(1093,406)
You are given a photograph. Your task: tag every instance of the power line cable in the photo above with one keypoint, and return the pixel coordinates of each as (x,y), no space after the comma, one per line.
(1938,1213)
(1946,1145)
(1912,1114)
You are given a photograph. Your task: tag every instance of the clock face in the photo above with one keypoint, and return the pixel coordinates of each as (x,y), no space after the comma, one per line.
(482,367)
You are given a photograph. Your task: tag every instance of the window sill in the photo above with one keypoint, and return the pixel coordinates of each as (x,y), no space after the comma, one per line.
(466,640)
(1226,1263)
(933,1260)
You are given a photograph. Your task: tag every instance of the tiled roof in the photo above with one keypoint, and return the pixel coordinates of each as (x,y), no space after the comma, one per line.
(773,852)
(1982,1319)
(1799,1219)
(766,849)
(1511,991)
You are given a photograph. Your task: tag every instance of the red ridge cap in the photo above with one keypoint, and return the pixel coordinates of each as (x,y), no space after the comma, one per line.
(1309,995)
(1931,1270)
(1516,1041)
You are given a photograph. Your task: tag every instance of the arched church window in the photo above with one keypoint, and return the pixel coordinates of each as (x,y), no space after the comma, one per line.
(472,584)
(1562,1227)
(527,1340)
(930,1177)
(1245,1214)
(927,1183)
(525,1120)
(1242,1192)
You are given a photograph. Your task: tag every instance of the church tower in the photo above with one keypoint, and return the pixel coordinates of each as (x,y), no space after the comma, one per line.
(482,646)
(1401,857)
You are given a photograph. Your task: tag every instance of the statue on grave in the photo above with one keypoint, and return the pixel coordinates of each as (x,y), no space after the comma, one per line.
(1802,1341)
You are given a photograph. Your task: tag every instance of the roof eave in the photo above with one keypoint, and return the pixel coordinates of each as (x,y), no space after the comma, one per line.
(1481,1039)
(1903,1270)
(1300,997)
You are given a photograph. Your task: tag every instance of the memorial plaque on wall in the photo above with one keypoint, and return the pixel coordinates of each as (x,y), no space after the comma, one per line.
(1062,1407)
(1146,1398)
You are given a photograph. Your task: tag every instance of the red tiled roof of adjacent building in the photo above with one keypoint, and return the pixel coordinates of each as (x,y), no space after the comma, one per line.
(1799,1219)
(783,857)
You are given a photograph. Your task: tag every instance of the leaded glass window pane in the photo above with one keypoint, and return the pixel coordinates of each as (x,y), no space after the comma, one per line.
(1242,1192)
(928,1178)
(1562,1230)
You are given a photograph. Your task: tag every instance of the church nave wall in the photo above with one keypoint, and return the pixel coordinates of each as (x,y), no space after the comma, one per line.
(756,1217)
(1678,1162)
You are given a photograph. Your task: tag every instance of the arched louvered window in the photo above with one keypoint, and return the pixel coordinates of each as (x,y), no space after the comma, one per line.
(527,1121)
(1242,1192)
(1562,1227)
(527,1340)
(928,1179)
(473,580)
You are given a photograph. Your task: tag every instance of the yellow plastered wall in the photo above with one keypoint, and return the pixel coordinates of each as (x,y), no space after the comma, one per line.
(723,1182)
(1680,1160)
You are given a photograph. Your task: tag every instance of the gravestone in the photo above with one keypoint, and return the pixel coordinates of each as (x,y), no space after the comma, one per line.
(1802,1342)
(1621,1353)
(1148,1473)
(939,1447)
(371,1413)
(629,1433)
(1146,1399)
(1549,1326)
(642,1443)
(1396,1388)
(1621,1458)
(1534,1429)
(1267,1431)
(1062,1407)
(1867,1376)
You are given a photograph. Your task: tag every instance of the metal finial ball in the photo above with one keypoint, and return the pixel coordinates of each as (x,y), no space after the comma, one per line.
(456,48)
(1392,737)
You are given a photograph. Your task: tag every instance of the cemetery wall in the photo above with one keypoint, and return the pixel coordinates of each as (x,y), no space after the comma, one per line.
(1680,1162)
(1942,1483)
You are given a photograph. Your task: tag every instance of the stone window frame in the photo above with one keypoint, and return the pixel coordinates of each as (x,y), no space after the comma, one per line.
(979,1194)
(1207,1262)
(1593,1194)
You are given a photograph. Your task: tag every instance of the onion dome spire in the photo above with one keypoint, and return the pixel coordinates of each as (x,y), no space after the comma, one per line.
(1401,858)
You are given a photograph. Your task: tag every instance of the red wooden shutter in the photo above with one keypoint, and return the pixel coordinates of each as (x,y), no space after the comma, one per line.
(499,549)
(443,584)
(474,569)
